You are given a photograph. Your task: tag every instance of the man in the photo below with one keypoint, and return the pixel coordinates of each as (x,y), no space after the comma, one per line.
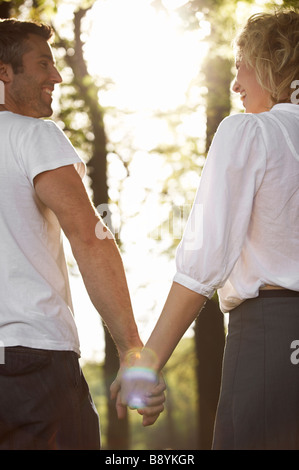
(44,399)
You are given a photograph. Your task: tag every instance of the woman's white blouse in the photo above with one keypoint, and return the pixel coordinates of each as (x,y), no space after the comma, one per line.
(243,229)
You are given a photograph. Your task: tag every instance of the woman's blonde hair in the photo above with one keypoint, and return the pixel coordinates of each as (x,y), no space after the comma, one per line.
(270,44)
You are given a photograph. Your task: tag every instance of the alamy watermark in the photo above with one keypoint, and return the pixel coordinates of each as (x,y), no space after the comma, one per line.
(295,354)
(2,93)
(156,225)
(295,94)
(2,353)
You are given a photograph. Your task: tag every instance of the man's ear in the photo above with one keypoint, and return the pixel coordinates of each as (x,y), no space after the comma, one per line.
(5,72)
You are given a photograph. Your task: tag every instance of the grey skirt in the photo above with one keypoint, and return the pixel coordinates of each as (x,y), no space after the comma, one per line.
(259,399)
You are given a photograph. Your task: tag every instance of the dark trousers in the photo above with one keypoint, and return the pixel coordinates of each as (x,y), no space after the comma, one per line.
(259,399)
(45,402)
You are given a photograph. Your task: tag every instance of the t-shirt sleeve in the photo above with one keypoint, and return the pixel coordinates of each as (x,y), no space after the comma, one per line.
(45,147)
(221,212)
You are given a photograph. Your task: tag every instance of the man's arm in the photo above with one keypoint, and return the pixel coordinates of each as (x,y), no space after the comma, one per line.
(99,260)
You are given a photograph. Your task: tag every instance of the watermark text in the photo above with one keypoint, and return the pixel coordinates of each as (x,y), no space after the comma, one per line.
(295,354)
(156,223)
(295,94)
(2,93)
(2,353)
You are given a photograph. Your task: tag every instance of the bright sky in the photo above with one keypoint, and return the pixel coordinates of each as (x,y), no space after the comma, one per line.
(146,54)
(151,62)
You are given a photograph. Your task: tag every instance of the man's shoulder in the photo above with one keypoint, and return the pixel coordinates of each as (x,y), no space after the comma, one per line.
(24,121)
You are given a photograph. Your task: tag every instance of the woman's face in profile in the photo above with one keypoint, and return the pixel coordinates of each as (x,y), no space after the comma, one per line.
(255,99)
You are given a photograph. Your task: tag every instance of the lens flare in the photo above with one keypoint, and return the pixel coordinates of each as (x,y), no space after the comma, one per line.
(136,402)
(139,376)
(140,373)
(145,356)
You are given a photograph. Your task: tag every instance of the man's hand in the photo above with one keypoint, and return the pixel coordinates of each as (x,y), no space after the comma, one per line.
(139,387)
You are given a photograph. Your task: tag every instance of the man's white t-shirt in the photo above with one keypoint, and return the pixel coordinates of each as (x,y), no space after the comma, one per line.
(35,302)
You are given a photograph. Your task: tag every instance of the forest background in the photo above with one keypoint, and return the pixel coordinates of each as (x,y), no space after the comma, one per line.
(145,85)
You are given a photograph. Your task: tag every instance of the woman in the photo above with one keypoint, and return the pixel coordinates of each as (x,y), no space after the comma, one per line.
(246,246)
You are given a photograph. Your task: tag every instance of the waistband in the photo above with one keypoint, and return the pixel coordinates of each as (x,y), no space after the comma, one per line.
(278,293)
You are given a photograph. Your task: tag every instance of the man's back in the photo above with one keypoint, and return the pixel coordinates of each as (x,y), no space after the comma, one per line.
(36,306)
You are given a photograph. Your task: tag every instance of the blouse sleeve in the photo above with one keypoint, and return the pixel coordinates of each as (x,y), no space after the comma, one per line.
(220,215)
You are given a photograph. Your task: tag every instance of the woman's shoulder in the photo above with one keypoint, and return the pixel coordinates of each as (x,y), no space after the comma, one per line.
(237,124)
(240,119)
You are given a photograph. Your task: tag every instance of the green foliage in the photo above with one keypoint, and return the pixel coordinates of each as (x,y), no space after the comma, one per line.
(176,427)
(43,9)
(94,375)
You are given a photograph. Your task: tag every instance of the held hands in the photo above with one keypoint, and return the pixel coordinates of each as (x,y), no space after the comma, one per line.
(139,386)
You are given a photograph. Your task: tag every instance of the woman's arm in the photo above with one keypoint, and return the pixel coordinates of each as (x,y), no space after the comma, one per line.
(180,310)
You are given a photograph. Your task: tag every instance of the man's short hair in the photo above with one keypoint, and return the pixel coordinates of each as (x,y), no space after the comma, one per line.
(13,40)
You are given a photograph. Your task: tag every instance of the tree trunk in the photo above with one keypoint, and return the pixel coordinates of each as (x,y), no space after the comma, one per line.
(209,327)
(5,9)
(218,77)
(209,344)
(118,430)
